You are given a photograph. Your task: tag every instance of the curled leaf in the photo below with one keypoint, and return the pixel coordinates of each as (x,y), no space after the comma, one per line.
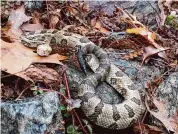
(162,115)
(150,51)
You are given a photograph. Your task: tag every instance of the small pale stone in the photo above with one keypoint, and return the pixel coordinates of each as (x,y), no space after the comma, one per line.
(44,50)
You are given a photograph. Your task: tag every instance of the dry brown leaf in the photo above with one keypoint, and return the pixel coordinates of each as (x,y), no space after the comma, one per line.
(15,57)
(97,25)
(17,18)
(150,36)
(42,74)
(147,129)
(150,51)
(162,115)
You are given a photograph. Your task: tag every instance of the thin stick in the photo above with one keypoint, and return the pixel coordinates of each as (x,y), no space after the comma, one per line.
(73,110)
(68,93)
(66,84)
(22,92)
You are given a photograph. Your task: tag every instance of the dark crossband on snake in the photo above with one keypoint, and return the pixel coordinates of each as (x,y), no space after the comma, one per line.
(112,116)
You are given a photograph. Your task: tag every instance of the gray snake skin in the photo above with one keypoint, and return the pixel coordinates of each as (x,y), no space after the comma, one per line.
(112,116)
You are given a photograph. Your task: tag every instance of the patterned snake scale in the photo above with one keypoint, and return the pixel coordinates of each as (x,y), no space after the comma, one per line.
(112,116)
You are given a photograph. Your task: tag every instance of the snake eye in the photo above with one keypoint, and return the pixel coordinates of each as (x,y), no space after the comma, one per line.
(64,42)
(77,48)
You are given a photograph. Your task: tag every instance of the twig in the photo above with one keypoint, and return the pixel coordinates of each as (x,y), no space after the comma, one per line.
(73,120)
(144,115)
(66,84)
(73,110)
(161,78)
(22,92)
(68,93)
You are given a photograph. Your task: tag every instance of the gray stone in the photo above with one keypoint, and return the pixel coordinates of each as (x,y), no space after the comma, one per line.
(36,115)
(168,93)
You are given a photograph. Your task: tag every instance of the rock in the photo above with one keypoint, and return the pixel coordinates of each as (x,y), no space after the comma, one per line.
(36,115)
(168,92)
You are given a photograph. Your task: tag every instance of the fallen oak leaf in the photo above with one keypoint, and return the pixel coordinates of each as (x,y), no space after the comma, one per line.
(15,57)
(150,36)
(162,115)
(150,51)
(144,32)
(17,18)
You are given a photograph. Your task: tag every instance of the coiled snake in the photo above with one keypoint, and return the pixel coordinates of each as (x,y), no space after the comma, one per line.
(112,116)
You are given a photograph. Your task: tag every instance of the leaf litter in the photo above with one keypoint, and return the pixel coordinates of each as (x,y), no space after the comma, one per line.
(77,15)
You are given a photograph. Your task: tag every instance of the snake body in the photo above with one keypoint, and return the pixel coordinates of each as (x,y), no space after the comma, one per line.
(112,116)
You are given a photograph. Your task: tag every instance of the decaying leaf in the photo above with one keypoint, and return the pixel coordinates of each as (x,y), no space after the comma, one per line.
(150,51)
(18,17)
(150,36)
(162,115)
(42,74)
(15,57)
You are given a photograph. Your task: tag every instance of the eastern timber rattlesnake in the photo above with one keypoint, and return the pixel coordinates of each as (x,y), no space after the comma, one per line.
(112,116)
